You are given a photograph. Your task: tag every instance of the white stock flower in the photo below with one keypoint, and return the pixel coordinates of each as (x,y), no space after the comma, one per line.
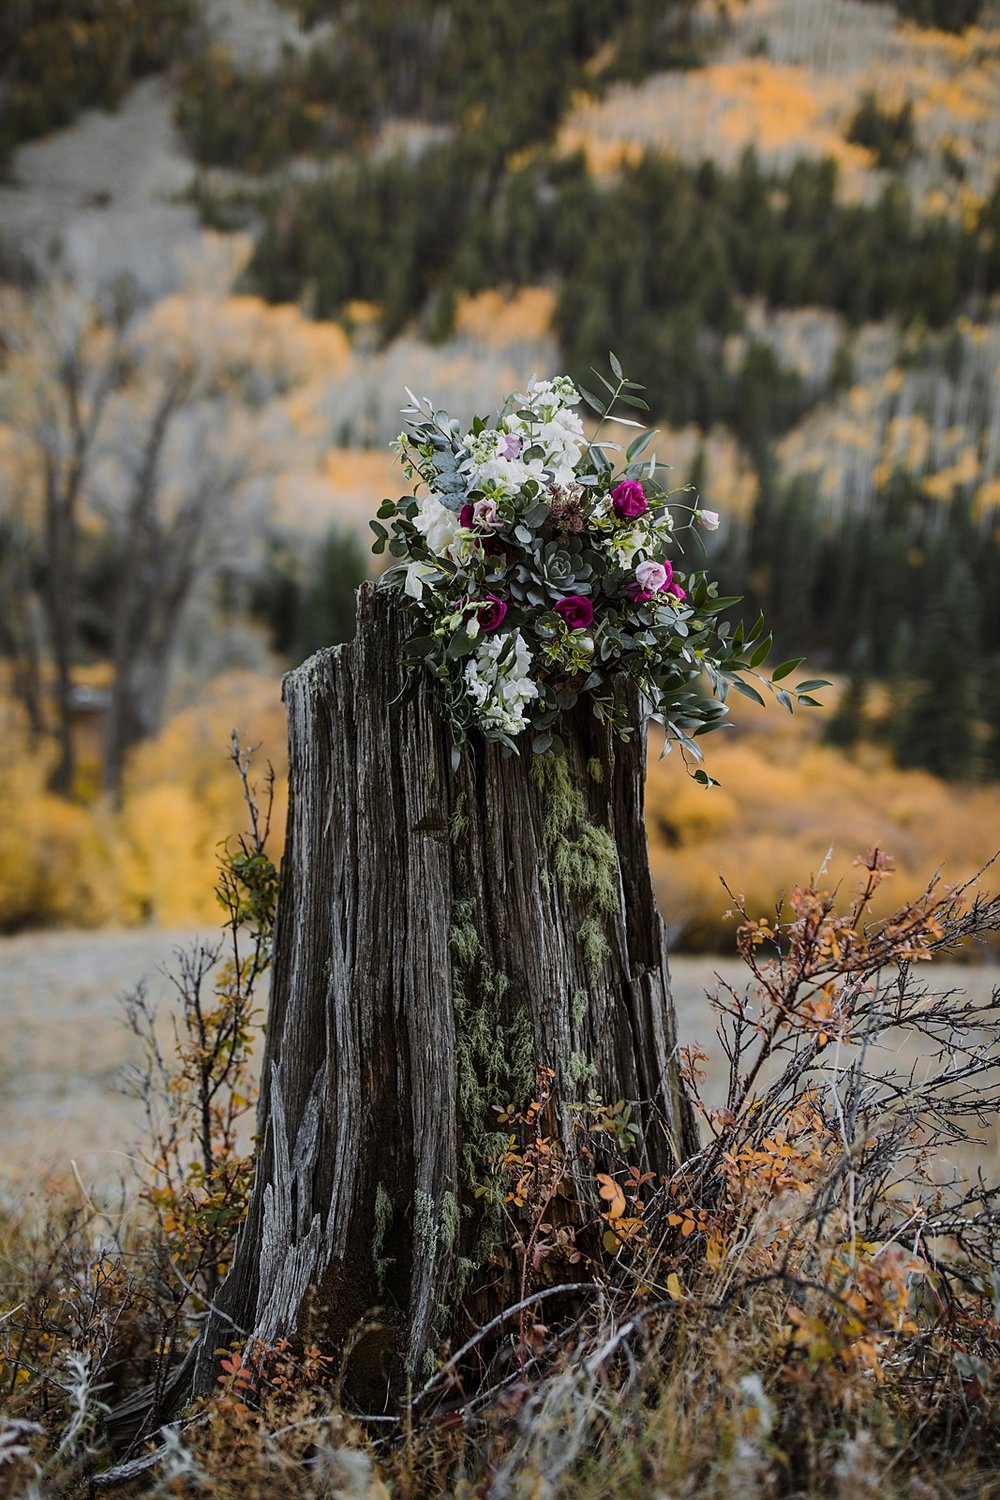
(627,544)
(493,463)
(499,683)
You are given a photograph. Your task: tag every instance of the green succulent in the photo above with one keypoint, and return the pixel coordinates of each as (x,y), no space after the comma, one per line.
(560,568)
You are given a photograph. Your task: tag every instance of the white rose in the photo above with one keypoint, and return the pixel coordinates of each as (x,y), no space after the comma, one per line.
(437,524)
(418,575)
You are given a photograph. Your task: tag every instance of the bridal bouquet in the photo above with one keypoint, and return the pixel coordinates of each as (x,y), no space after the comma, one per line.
(541,566)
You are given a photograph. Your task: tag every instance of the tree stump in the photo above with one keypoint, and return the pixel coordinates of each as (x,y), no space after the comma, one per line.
(441,934)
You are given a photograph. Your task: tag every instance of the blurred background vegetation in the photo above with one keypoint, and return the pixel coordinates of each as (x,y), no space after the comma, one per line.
(232,230)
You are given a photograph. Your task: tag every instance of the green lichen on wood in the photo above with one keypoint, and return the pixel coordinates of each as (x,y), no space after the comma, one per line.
(425,1225)
(451,1221)
(495,1051)
(595,769)
(383,1219)
(579,1072)
(594,944)
(584,858)
(459,822)
(578,1007)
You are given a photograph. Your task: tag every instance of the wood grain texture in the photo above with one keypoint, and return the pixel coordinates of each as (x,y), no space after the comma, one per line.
(423,946)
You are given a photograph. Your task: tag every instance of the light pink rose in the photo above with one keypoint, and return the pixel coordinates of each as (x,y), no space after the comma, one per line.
(485,513)
(652,576)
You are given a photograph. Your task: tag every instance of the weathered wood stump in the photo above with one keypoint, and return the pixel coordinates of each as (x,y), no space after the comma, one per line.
(441,934)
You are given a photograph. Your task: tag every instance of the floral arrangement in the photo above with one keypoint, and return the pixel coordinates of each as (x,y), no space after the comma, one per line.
(537,574)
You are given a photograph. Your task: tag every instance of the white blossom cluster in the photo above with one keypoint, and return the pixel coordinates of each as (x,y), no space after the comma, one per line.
(495,463)
(499,683)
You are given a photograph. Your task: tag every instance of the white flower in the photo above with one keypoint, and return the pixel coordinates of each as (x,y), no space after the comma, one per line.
(439,527)
(627,544)
(499,683)
(561,440)
(418,576)
(492,463)
(708,518)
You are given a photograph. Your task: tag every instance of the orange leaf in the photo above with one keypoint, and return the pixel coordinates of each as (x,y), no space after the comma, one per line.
(612,1195)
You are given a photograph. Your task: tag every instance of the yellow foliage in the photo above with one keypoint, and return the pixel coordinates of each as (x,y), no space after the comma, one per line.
(499,321)
(155,859)
(785,801)
(51,852)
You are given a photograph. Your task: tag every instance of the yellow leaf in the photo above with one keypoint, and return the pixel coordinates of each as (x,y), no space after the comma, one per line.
(674,1290)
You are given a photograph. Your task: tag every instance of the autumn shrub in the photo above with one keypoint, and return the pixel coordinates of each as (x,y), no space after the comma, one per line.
(787,803)
(100,1299)
(63,864)
(808,1306)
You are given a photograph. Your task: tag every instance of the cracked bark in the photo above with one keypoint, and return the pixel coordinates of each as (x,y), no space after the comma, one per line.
(365,1079)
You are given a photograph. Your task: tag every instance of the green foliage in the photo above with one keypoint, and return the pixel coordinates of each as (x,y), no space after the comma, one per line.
(652,264)
(309,605)
(451,64)
(327,610)
(943,15)
(72,57)
(887,132)
(937,728)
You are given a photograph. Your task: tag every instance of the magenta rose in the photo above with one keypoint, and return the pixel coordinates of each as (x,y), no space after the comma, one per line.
(676,590)
(490,612)
(628,500)
(577,611)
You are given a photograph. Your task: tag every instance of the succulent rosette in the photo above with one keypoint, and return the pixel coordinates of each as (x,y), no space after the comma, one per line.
(542,566)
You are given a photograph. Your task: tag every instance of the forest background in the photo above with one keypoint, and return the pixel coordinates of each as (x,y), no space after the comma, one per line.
(231,233)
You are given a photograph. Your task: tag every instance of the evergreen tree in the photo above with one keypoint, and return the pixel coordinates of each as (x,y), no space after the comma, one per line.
(327,613)
(847,724)
(938,732)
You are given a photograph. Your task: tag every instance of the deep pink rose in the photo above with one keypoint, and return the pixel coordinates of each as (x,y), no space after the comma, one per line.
(577,612)
(636,594)
(491,613)
(676,590)
(628,500)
